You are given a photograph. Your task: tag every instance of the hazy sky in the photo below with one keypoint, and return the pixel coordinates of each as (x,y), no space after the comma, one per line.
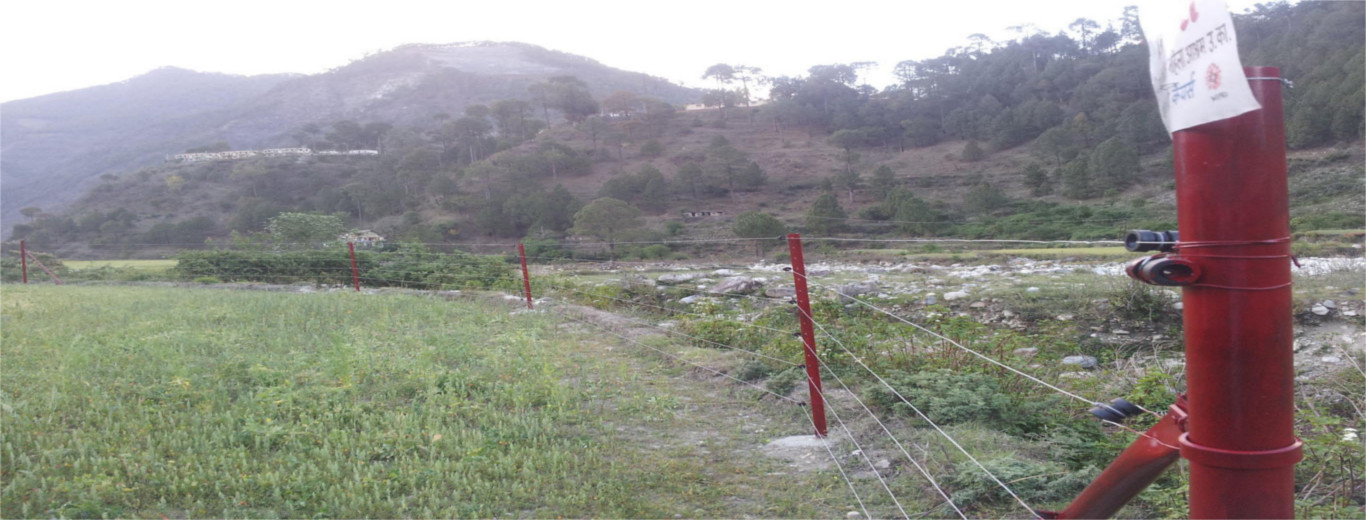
(55,45)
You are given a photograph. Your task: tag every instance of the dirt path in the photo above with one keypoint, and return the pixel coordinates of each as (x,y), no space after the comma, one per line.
(731,450)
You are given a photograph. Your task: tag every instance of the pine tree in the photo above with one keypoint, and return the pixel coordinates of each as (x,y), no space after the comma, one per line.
(826,215)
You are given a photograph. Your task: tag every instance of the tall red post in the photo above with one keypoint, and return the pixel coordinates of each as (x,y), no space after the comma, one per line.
(1235,225)
(813,364)
(355,271)
(526,278)
(23,259)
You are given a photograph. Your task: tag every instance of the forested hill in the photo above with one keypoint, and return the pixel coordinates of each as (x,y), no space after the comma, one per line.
(1043,136)
(57,146)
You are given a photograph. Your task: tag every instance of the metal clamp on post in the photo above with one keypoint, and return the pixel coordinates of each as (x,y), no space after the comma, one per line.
(1164,270)
(1234,459)
(1160,269)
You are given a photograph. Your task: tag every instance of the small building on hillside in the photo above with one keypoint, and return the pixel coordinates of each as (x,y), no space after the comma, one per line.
(702,214)
(362,238)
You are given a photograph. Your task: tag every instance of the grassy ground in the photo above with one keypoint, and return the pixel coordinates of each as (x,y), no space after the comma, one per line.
(153,402)
(142,265)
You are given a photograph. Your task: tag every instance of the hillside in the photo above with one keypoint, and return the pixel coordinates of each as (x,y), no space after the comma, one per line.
(1045,137)
(56,146)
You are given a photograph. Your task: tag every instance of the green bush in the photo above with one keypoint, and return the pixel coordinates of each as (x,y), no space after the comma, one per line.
(752,370)
(406,266)
(785,381)
(1033,481)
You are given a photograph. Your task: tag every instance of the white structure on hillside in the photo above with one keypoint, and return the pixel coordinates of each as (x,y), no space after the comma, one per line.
(364,238)
(269,152)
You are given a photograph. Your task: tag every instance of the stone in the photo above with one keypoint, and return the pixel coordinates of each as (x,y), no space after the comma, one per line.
(1329,304)
(636,282)
(688,300)
(1120,332)
(677,278)
(736,285)
(978,305)
(723,272)
(1032,290)
(1331,359)
(1026,352)
(1319,310)
(1064,317)
(1007,314)
(1082,361)
(852,290)
(1178,305)
(931,300)
(955,295)
(1349,314)
(853,514)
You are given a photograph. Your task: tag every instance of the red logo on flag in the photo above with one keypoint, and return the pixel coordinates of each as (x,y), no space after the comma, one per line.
(1212,77)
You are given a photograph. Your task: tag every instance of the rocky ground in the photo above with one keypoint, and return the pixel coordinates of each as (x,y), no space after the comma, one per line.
(1017,293)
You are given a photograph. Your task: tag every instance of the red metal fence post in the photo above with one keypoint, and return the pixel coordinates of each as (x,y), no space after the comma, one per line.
(526,278)
(355,271)
(1234,221)
(813,365)
(23,259)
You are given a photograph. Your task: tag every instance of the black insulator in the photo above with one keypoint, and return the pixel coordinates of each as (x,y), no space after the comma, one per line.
(1118,410)
(1140,240)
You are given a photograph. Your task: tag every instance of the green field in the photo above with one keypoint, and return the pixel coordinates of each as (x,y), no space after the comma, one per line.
(158,402)
(141,265)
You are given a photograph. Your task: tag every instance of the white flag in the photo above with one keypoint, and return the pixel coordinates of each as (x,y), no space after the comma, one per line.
(1193,58)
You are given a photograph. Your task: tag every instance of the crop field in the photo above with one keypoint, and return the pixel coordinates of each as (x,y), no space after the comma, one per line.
(163,402)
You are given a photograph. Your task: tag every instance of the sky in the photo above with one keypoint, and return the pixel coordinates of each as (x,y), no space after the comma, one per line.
(58,45)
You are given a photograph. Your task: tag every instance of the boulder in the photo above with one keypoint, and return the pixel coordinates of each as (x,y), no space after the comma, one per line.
(951,296)
(736,285)
(1319,310)
(1081,361)
(677,278)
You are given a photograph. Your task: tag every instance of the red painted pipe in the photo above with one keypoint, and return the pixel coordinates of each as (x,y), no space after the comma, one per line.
(813,363)
(1234,218)
(355,271)
(526,278)
(1133,471)
(23,259)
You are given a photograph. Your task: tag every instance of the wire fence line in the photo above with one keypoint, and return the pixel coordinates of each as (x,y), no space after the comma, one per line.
(924,417)
(980,355)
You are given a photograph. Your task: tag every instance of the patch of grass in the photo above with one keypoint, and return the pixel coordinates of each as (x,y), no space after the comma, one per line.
(141,265)
(146,402)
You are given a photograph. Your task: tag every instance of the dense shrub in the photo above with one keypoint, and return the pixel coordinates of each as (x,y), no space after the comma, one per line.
(407,266)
